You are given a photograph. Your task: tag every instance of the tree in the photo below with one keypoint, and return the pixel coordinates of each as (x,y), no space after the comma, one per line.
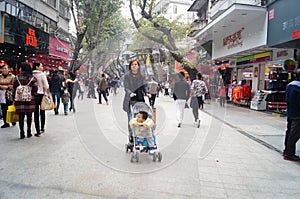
(154,26)
(95,22)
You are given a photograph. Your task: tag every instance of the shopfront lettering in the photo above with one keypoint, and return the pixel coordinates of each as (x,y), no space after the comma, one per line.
(234,40)
(282,53)
(60,49)
(31,39)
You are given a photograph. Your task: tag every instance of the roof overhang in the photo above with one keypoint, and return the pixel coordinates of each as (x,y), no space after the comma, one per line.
(197,5)
(236,13)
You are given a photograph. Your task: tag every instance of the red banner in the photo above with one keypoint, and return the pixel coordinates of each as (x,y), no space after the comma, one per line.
(59,48)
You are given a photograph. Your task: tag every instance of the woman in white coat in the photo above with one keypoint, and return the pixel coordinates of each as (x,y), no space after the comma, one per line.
(42,90)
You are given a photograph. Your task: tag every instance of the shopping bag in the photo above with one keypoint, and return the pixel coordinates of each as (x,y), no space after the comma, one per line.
(11,115)
(47,103)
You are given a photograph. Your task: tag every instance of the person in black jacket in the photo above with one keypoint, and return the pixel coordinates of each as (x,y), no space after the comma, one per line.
(293,119)
(135,87)
(181,95)
(55,89)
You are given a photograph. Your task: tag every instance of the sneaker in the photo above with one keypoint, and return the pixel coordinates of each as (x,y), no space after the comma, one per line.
(42,130)
(14,123)
(5,125)
(37,134)
(292,157)
(151,152)
(179,125)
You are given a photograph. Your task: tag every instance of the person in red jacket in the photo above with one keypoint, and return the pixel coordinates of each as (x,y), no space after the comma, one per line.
(222,95)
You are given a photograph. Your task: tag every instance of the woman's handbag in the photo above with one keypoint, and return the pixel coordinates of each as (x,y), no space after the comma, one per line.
(2,97)
(47,103)
(11,115)
(9,95)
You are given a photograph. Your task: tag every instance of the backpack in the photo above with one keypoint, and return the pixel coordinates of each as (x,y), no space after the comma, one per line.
(23,92)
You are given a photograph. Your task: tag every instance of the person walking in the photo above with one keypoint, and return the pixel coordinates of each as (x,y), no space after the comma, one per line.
(222,94)
(65,98)
(81,89)
(198,89)
(25,107)
(102,89)
(181,94)
(42,90)
(73,87)
(135,87)
(153,90)
(6,86)
(293,118)
(55,89)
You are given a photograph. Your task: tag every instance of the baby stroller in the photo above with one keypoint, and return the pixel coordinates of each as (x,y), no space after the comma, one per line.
(138,148)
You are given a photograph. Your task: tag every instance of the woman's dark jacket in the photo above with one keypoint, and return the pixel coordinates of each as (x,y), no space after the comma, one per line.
(134,84)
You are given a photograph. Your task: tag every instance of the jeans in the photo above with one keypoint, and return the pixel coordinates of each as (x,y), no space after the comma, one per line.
(66,107)
(56,99)
(39,113)
(292,136)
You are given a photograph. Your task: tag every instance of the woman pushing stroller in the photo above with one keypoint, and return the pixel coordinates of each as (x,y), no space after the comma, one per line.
(136,89)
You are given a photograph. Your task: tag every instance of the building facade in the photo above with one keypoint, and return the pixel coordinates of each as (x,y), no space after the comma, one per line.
(237,34)
(29,28)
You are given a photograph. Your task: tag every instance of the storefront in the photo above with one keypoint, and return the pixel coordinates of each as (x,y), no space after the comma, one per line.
(283,34)
(19,39)
(58,57)
(243,42)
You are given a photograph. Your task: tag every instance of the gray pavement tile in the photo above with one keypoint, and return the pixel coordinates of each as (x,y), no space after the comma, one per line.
(213,192)
(237,193)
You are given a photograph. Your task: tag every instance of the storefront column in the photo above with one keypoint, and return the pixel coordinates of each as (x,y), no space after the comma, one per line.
(262,69)
(255,78)
(239,75)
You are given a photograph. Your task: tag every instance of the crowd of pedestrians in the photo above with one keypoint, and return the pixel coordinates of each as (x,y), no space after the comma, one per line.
(64,88)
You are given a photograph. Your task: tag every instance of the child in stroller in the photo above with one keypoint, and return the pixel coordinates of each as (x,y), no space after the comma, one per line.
(143,126)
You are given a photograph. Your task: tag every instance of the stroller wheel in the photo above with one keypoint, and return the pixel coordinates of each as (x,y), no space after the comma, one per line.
(159,156)
(154,157)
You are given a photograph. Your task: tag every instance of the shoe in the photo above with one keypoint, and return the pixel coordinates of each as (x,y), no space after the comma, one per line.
(291,157)
(14,123)
(22,136)
(5,125)
(198,123)
(42,130)
(29,135)
(99,103)
(151,150)
(107,103)
(66,113)
(179,125)
(37,134)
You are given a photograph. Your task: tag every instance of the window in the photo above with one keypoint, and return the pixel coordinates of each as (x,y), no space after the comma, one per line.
(175,9)
(52,3)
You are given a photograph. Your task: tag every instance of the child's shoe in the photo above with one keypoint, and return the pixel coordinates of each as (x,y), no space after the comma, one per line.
(151,151)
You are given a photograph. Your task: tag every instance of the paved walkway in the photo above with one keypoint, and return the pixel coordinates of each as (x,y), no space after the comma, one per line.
(82,155)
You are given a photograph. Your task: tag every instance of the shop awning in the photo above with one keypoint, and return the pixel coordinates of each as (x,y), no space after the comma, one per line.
(236,13)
